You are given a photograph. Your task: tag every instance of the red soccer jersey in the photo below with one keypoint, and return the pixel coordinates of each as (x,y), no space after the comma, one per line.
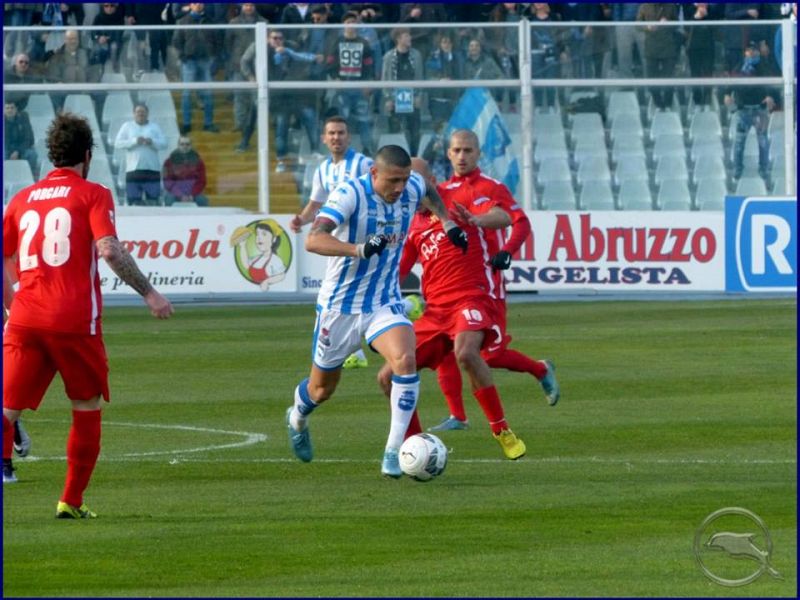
(52,227)
(480,193)
(448,275)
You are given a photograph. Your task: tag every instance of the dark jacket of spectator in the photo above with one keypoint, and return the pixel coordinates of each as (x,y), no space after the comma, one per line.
(296,13)
(350,70)
(196,44)
(17,134)
(70,63)
(661,41)
(184,174)
(237,40)
(20,72)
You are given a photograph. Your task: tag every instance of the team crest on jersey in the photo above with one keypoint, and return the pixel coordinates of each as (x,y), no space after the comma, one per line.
(262,252)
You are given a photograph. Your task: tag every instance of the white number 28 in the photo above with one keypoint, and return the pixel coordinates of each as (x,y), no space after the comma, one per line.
(55,248)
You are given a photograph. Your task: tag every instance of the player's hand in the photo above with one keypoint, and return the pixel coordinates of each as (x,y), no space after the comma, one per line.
(501,261)
(296,224)
(459,237)
(159,306)
(375,244)
(461,214)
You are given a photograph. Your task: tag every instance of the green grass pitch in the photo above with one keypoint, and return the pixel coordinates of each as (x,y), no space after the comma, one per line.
(670,411)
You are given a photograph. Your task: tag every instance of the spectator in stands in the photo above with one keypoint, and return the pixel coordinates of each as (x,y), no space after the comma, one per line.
(445,63)
(700,50)
(422,12)
(237,41)
(142,140)
(197,49)
(754,104)
(350,58)
(736,37)
(144,15)
(184,175)
(18,136)
(108,43)
(547,53)
(503,44)
(20,72)
(661,48)
(285,64)
(68,64)
(17,14)
(480,65)
(296,13)
(629,39)
(587,45)
(402,105)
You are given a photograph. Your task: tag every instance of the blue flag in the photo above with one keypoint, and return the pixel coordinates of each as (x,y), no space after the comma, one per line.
(478,111)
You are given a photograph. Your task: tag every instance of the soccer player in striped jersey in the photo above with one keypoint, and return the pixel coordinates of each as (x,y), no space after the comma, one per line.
(478,194)
(53,233)
(343,164)
(362,228)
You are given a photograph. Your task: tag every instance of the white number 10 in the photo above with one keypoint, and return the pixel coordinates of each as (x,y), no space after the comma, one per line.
(55,249)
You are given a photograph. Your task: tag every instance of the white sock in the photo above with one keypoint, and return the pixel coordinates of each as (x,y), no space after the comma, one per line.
(303,406)
(403,401)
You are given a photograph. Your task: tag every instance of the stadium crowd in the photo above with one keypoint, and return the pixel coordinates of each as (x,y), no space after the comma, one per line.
(361,52)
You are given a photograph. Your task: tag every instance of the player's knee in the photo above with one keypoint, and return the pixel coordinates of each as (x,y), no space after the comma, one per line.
(404,364)
(467,357)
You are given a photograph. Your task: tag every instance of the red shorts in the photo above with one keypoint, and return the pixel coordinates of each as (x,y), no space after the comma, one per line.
(31,358)
(438,327)
(502,338)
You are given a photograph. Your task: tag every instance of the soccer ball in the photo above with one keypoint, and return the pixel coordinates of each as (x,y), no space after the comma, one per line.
(423,457)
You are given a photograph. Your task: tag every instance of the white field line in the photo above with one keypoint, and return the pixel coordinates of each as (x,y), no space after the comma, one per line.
(177,456)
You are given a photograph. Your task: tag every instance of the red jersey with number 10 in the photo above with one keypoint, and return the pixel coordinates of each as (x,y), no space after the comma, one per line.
(52,227)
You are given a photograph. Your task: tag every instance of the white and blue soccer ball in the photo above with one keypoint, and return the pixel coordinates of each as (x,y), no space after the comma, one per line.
(423,457)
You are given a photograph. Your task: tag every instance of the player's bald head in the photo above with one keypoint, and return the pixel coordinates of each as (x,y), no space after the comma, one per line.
(465,136)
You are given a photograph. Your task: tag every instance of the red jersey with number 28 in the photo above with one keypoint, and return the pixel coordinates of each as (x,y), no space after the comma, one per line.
(52,227)
(448,275)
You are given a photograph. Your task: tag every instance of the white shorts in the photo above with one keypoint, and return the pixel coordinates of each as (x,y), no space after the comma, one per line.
(337,335)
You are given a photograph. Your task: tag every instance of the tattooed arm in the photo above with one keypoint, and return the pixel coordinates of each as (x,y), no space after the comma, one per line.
(433,202)
(122,263)
(321,241)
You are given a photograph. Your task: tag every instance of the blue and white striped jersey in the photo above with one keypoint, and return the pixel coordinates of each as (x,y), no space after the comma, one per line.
(353,285)
(329,174)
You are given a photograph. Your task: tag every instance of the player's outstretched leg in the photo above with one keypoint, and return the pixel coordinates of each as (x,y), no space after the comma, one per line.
(542,370)
(296,416)
(512,446)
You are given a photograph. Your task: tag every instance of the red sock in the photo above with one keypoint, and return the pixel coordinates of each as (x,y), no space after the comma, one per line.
(516,361)
(450,382)
(414,427)
(8,437)
(492,408)
(83,447)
